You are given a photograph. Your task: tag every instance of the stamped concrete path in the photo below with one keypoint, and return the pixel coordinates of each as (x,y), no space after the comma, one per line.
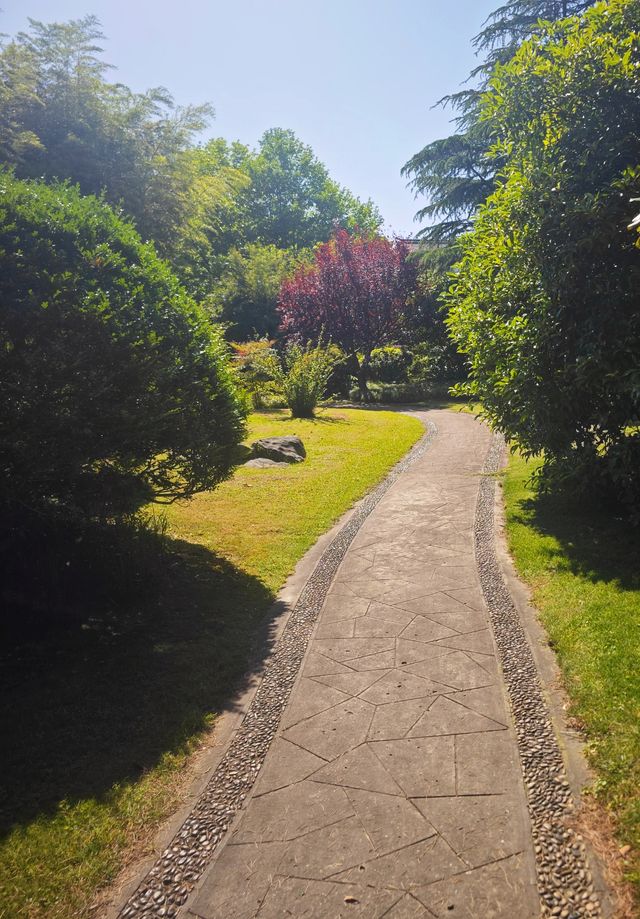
(392,788)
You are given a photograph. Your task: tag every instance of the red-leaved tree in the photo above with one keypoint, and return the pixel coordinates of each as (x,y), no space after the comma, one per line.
(358,293)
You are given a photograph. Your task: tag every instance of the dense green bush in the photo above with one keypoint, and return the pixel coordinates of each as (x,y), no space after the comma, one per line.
(115,388)
(401,393)
(545,300)
(389,364)
(343,374)
(434,355)
(247,293)
(421,368)
(434,361)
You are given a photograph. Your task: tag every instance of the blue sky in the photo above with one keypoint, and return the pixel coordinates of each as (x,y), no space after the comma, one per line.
(355,79)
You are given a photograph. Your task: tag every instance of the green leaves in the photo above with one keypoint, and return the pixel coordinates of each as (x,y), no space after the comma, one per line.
(116,389)
(544,301)
(246,297)
(61,118)
(291,201)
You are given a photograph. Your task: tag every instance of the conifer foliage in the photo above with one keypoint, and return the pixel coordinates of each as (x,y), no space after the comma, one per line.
(455,173)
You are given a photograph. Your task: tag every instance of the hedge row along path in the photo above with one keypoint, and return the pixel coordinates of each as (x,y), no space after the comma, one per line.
(397,760)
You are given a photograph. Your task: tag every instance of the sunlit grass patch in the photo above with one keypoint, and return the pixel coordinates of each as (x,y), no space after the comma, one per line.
(265,519)
(584,568)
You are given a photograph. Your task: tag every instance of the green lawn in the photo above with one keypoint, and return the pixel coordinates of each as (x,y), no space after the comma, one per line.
(100,714)
(264,520)
(584,569)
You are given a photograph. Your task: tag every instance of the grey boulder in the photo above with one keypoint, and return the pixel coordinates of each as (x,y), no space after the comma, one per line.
(262,462)
(288,449)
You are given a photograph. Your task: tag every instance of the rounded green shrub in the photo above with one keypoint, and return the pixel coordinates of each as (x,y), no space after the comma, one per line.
(115,387)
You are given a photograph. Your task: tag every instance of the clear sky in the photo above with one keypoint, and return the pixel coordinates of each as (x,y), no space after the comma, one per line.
(355,79)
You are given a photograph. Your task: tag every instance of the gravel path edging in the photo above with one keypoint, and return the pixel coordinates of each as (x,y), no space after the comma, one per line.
(168,884)
(565,883)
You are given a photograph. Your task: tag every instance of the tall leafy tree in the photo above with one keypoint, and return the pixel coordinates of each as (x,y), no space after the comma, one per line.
(214,218)
(64,119)
(358,292)
(293,200)
(545,304)
(17,95)
(510,24)
(251,211)
(247,294)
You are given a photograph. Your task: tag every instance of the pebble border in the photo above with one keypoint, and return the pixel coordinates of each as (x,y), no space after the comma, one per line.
(564,880)
(170,881)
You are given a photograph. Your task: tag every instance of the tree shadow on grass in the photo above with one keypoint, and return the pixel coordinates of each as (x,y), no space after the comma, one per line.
(99,696)
(276,416)
(594,542)
(317,419)
(436,402)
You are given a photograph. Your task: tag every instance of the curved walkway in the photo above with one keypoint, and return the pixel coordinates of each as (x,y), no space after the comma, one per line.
(393,786)
(394,767)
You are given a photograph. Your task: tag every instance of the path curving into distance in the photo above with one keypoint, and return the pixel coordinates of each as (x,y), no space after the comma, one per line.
(381,768)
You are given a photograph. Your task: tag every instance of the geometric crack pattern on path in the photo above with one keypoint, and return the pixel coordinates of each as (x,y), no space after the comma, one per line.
(167,885)
(393,785)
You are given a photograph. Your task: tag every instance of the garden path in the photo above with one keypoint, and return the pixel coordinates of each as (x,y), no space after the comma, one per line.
(392,787)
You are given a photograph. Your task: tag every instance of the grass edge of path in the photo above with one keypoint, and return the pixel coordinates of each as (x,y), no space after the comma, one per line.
(579,567)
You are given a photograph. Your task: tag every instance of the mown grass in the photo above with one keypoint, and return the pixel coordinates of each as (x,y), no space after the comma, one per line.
(584,568)
(103,704)
(264,520)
